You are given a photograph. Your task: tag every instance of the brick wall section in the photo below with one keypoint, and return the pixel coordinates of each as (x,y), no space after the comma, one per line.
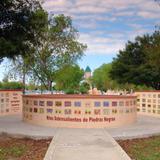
(10,102)
(148,103)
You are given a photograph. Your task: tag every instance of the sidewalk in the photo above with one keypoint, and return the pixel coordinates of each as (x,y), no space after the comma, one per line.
(94,144)
(145,126)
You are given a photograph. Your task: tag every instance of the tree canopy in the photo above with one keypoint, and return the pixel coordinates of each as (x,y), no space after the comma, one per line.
(101,77)
(68,78)
(138,63)
(58,47)
(21,25)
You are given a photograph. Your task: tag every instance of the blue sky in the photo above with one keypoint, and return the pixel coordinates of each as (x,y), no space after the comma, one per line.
(106,25)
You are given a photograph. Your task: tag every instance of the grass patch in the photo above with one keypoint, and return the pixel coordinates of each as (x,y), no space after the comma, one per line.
(22,148)
(13,151)
(142,149)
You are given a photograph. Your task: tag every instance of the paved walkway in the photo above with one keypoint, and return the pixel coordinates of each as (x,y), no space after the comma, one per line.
(145,126)
(89,145)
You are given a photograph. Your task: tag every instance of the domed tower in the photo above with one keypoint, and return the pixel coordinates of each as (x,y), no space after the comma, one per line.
(87,73)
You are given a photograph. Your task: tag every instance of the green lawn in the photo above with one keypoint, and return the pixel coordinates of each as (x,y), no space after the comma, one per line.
(22,148)
(13,151)
(142,149)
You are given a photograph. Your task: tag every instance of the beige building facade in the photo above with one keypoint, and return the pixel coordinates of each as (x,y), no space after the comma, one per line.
(148,103)
(10,102)
(79,111)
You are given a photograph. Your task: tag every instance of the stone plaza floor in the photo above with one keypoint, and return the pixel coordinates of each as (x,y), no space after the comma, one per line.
(77,144)
(145,126)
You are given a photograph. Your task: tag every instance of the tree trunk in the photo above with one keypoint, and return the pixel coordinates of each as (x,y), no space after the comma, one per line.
(24,80)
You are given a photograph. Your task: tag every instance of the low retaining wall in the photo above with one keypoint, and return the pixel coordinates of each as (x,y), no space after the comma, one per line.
(79,111)
(10,102)
(148,103)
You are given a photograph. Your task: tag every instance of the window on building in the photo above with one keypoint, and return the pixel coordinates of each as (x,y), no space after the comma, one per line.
(127,103)
(30,109)
(58,111)
(154,96)
(27,101)
(2,100)
(143,110)
(121,103)
(143,105)
(7,94)
(120,111)
(106,111)
(26,109)
(154,100)
(154,111)
(114,104)
(106,104)
(41,103)
(58,103)
(35,103)
(143,100)
(114,111)
(143,95)
(77,112)
(49,103)
(131,103)
(87,112)
(67,104)
(67,111)
(97,111)
(77,104)
(97,104)
(41,110)
(154,106)
(49,110)
(35,110)
(87,104)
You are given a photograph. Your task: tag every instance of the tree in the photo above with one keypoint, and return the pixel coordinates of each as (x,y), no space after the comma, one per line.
(84,87)
(135,65)
(68,78)
(11,85)
(101,78)
(21,25)
(59,48)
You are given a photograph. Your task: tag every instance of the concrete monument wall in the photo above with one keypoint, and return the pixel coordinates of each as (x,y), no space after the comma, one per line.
(148,103)
(10,102)
(79,111)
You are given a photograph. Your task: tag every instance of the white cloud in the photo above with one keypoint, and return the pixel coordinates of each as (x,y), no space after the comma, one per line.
(92,15)
(102,45)
(143,8)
